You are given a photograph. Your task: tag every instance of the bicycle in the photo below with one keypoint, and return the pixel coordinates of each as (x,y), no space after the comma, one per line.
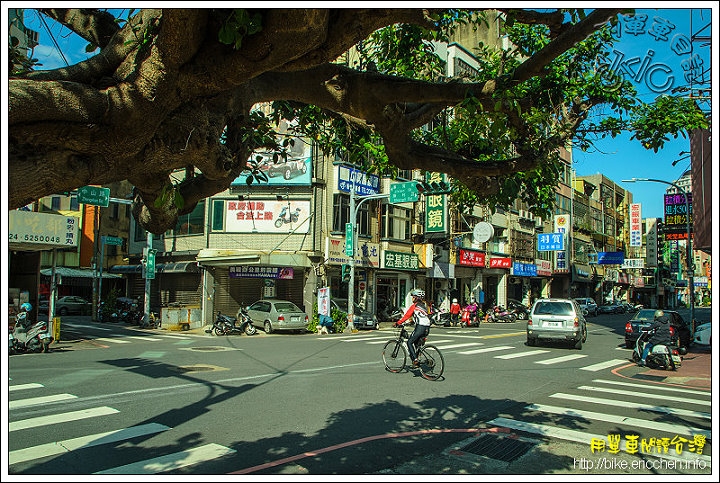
(395,354)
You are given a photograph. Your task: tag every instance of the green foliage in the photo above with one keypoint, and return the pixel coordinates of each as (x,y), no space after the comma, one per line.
(239,25)
(110,303)
(339,320)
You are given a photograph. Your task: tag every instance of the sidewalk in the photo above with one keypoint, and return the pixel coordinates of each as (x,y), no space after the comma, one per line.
(696,370)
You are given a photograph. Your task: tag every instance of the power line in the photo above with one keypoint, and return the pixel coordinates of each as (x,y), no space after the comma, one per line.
(52,37)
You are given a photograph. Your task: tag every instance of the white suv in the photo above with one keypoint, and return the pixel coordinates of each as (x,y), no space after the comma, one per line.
(586,303)
(556,320)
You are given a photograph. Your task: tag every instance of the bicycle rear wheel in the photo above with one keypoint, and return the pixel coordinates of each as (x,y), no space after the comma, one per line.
(394,355)
(431,362)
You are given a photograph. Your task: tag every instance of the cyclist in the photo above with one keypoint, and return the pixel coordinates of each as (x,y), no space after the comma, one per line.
(418,310)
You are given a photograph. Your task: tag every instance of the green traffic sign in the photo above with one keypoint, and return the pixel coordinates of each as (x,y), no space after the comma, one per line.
(150,263)
(403,192)
(113,240)
(349,241)
(94,195)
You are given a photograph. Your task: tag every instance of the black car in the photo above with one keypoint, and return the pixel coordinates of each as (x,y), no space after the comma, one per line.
(644,318)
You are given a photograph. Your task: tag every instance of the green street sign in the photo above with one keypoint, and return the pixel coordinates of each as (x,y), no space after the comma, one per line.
(94,195)
(349,242)
(403,192)
(150,263)
(112,240)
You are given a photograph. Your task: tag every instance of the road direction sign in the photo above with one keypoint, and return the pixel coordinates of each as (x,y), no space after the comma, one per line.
(349,241)
(94,195)
(113,240)
(403,192)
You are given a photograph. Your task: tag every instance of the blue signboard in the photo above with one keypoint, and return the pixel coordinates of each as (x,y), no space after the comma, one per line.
(550,242)
(610,258)
(524,269)
(365,184)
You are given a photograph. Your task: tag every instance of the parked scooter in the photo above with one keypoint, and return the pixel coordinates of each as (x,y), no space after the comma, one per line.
(501,314)
(470,316)
(29,337)
(521,312)
(440,317)
(227,325)
(152,321)
(661,356)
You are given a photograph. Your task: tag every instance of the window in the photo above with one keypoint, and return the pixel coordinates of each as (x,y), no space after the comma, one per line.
(341,215)
(395,222)
(74,205)
(192,223)
(218,214)
(55,203)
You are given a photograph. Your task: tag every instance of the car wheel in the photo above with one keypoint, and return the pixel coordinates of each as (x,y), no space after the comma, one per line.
(531,342)
(287,174)
(579,344)
(268,327)
(584,337)
(63,311)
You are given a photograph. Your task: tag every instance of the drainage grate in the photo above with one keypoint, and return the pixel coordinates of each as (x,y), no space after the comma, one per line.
(498,447)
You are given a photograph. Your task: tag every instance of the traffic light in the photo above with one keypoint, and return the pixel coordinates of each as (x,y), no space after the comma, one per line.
(345,273)
(433,188)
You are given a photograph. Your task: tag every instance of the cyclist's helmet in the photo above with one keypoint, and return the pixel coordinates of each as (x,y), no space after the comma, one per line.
(26,307)
(418,293)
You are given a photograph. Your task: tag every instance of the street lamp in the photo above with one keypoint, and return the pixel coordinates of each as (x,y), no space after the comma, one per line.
(689,256)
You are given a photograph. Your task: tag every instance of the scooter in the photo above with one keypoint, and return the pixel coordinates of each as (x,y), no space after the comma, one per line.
(440,317)
(661,356)
(501,314)
(226,325)
(282,218)
(28,337)
(469,317)
(521,312)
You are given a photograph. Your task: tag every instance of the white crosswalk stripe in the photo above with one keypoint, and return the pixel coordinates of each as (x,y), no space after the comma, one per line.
(604,365)
(114,340)
(557,360)
(171,461)
(515,355)
(61,418)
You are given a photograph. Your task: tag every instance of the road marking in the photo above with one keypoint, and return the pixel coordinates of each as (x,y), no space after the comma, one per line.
(152,355)
(82,326)
(520,354)
(139,337)
(22,387)
(113,340)
(557,360)
(171,461)
(61,418)
(603,365)
(585,438)
(619,419)
(180,337)
(661,388)
(487,349)
(454,346)
(633,405)
(68,445)
(507,334)
(646,395)
(35,401)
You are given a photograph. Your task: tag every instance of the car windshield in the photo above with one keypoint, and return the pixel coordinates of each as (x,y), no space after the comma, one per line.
(285,307)
(553,308)
(645,315)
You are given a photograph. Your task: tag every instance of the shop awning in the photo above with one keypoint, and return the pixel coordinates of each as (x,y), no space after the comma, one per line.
(176,267)
(76,272)
(582,273)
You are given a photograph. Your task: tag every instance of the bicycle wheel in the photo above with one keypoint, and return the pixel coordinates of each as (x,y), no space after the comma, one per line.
(394,355)
(431,362)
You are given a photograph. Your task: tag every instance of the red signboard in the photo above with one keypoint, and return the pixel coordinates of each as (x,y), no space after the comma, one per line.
(500,262)
(471,258)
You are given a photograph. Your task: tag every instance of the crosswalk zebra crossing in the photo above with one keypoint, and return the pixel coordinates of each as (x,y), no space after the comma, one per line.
(169,462)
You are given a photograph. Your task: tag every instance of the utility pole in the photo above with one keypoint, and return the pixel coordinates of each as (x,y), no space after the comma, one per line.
(149,275)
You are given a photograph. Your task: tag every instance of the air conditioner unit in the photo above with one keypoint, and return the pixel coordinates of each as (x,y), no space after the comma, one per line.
(538,222)
(417,229)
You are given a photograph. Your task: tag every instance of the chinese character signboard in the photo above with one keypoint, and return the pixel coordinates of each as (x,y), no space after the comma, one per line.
(651,239)
(435,206)
(524,269)
(404,261)
(544,267)
(635,225)
(676,216)
(267,216)
(500,262)
(42,231)
(550,242)
(365,184)
(562,226)
(471,258)
(611,258)
(253,271)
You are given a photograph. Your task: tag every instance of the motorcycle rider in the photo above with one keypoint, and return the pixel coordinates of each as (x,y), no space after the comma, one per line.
(661,334)
(418,310)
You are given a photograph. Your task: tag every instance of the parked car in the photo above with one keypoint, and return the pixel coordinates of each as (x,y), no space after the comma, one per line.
(275,315)
(611,308)
(71,304)
(557,319)
(644,318)
(362,319)
(702,334)
(629,308)
(588,304)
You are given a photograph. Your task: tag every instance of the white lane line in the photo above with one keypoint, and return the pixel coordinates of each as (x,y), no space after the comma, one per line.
(487,349)
(585,438)
(22,387)
(180,337)
(520,354)
(633,405)
(455,346)
(61,418)
(35,401)
(662,397)
(171,461)
(620,420)
(139,337)
(557,360)
(114,340)
(604,365)
(60,447)
(654,386)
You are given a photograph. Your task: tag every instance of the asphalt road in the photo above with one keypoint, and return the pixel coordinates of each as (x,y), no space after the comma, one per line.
(113,399)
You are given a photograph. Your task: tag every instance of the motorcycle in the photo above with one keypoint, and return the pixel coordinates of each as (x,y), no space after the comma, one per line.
(470,317)
(29,337)
(227,325)
(284,218)
(521,312)
(440,317)
(152,321)
(501,314)
(661,356)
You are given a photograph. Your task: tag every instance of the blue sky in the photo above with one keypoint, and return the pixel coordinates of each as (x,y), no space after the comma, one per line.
(617,158)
